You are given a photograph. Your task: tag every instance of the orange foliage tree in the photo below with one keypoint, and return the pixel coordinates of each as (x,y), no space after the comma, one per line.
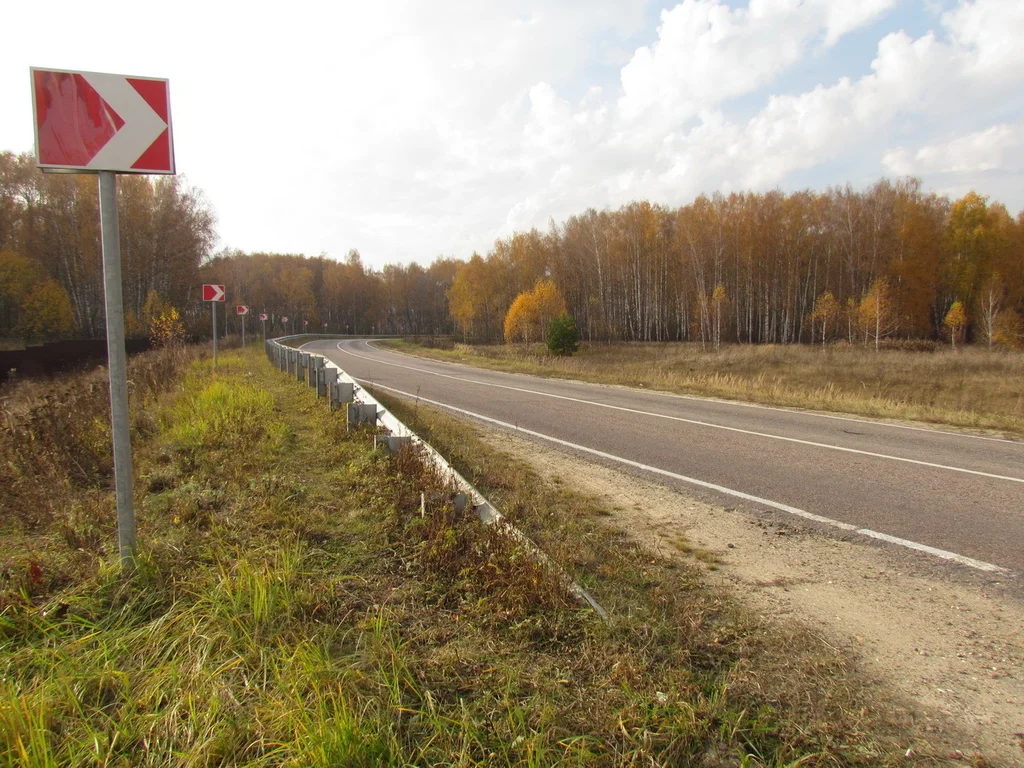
(826,312)
(876,313)
(532,311)
(955,320)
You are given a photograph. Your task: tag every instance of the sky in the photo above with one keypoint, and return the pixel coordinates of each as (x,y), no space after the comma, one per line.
(411,130)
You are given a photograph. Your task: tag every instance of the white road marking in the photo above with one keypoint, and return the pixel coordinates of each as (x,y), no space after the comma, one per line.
(942,553)
(760,406)
(740,404)
(692,421)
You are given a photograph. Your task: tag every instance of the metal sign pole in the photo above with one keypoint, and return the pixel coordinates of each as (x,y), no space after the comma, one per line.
(118,368)
(213,314)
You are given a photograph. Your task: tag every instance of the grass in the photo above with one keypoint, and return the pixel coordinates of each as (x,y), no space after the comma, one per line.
(972,388)
(292,607)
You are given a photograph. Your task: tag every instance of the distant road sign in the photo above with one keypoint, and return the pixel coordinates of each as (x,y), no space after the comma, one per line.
(263,315)
(284,319)
(241,309)
(213,293)
(305,322)
(90,121)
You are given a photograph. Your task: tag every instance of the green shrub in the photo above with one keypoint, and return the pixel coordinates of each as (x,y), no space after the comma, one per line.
(563,338)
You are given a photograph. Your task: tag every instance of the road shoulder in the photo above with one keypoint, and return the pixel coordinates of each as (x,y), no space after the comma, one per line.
(951,642)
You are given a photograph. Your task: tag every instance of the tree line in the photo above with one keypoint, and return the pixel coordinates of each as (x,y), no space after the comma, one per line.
(805,267)
(51,270)
(890,261)
(320,294)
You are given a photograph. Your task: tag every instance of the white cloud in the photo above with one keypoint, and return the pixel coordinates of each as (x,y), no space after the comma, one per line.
(844,17)
(990,33)
(996,148)
(923,80)
(707,53)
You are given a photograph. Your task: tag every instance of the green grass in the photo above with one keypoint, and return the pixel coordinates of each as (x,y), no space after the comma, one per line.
(291,607)
(971,388)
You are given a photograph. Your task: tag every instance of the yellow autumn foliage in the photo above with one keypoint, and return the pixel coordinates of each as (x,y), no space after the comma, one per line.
(531,312)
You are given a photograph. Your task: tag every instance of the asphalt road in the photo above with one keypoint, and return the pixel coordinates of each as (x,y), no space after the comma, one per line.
(957,494)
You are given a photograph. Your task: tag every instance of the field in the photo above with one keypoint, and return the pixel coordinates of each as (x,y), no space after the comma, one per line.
(292,605)
(972,388)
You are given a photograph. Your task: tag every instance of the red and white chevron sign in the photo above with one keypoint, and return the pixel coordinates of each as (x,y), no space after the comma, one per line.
(89,121)
(263,315)
(213,292)
(241,309)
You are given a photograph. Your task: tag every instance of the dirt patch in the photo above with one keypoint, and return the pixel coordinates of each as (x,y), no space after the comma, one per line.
(948,639)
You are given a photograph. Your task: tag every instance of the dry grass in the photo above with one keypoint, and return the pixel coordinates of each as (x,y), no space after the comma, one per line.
(973,388)
(293,607)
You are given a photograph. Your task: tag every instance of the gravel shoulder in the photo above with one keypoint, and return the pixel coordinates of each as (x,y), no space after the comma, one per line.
(947,639)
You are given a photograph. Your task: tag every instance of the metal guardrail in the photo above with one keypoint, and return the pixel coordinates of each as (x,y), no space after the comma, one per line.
(362,408)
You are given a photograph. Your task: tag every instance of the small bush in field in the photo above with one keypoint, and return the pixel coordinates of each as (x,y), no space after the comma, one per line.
(563,338)
(166,329)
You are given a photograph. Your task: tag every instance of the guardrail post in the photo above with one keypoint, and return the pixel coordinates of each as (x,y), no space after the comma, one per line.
(321,380)
(330,386)
(393,443)
(360,414)
(300,366)
(314,372)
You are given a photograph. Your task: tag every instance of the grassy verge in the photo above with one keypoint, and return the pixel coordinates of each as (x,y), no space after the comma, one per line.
(292,606)
(973,388)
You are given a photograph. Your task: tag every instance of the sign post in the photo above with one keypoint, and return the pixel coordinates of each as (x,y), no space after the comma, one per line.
(117,366)
(242,310)
(89,122)
(263,322)
(213,294)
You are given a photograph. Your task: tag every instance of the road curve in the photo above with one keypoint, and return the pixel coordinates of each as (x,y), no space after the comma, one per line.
(957,496)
